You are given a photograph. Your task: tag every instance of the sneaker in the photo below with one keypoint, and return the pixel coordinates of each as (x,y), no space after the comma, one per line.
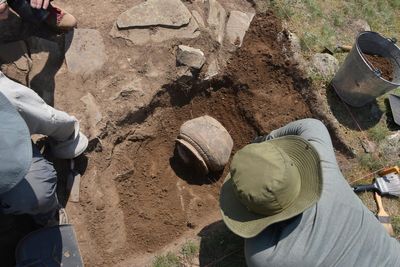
(59,19)
(60,217)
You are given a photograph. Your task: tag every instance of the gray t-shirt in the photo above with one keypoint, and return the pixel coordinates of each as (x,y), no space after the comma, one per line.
(337,231)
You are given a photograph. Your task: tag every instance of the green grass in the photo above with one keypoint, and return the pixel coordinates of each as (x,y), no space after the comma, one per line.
(320,23)
(168,260)
(396,225)
(189,251)
(378,133)
(370,162)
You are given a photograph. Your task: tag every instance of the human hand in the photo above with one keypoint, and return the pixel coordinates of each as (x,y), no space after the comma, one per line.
(38,4)
(3,11)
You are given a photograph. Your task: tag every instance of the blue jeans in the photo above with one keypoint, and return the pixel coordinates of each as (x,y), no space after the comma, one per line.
(26,12)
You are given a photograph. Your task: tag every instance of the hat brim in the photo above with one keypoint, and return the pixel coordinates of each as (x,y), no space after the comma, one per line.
(247,224)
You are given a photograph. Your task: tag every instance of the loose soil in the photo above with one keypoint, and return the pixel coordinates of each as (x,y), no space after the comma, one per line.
(137,195)
(382,64)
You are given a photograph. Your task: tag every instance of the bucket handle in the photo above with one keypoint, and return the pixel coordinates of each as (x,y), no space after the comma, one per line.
(393,40)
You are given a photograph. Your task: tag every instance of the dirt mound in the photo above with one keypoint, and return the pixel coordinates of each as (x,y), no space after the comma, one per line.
(137,195)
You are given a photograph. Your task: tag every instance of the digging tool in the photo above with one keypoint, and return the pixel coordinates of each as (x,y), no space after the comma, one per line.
(337,49)
(394,101)
(73,183)
(387,184)
(382,215)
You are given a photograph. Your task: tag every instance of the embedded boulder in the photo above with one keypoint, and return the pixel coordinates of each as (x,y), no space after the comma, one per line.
(166,13)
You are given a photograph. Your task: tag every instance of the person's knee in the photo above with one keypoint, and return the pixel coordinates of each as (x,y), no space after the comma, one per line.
(43,180)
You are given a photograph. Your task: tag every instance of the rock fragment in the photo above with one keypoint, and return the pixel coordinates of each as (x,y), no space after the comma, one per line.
(236,27)
(85,51)
(216,19)
(191,57)
(199,18)
(168,13)
(212,70)
(324,64)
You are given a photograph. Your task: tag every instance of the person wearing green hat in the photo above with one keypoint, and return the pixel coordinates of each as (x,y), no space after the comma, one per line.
(285,194)
(27,180)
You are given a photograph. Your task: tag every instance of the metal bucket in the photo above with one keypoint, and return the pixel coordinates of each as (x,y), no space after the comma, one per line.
(356,82)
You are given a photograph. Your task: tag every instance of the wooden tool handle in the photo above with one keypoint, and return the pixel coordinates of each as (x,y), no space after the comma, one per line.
(381,210)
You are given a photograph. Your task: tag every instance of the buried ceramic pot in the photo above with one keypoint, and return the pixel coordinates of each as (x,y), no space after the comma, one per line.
(205,141)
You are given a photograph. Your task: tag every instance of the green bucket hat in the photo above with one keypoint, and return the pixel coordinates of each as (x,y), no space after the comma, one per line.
(15,146)
(270,182)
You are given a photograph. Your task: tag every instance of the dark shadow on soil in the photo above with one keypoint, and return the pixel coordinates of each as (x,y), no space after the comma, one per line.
(220,247)
(366,117)
(192,173)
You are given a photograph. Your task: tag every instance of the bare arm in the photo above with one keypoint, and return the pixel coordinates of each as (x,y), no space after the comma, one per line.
(3,10)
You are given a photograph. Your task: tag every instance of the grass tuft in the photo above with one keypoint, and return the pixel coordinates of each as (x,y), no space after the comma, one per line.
(378,133)
(168,260)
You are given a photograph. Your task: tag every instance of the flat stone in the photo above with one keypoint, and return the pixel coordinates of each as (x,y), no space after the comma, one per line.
(237,26)
(158,34)
(216,19)
(191,57)
(85,51)
(168,13)
(324,64)
(199,18)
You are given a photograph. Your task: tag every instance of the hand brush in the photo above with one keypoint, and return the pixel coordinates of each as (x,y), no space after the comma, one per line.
(388,184)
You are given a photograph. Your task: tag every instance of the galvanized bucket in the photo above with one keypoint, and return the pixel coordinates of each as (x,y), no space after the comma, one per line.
(356,82)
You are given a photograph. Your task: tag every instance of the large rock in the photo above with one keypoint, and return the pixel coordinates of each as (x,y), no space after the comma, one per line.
(85,51)
(324,64)
(191,57)
(168,13)
(216,19)
(139,36)
(237,26)
(359,25)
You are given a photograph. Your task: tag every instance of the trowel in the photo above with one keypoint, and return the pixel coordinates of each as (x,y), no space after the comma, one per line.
(337,49)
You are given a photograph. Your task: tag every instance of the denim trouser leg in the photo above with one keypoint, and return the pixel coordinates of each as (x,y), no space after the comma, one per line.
(40,117)
(36,193)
